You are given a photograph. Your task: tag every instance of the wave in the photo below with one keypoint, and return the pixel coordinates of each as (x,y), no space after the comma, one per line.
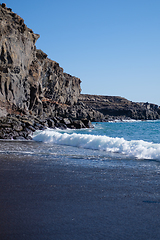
(134,148)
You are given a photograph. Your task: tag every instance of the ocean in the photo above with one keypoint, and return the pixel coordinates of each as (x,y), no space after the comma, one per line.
(97,183)
(110,141)
(106,143)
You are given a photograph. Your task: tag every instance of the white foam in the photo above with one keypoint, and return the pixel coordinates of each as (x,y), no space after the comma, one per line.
(135,148)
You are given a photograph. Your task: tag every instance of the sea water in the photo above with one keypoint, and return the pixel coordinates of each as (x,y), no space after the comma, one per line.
(117,140)
(107,143)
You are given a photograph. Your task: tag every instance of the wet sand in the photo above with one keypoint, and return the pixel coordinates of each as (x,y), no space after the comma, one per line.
(69,202)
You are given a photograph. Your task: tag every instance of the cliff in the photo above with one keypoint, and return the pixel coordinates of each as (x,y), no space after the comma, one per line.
(112,107)
(27,77)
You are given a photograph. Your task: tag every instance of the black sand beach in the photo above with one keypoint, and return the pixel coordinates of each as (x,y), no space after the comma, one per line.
(69,202)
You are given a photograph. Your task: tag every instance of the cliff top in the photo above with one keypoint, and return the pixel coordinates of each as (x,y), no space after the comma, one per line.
(11,21)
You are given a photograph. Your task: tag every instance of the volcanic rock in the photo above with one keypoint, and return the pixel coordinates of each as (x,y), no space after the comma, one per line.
(112,107)
(27,76)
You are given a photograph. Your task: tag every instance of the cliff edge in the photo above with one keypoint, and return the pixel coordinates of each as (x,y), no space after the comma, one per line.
(27,77)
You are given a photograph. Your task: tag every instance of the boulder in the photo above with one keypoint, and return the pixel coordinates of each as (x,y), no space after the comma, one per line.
(66,121)
(78,124)
(87,123)
(51,123)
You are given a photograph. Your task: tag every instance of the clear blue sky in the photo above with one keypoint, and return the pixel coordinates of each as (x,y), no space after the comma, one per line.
(113,46)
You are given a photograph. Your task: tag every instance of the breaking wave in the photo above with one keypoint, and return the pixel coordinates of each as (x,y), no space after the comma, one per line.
(134,148)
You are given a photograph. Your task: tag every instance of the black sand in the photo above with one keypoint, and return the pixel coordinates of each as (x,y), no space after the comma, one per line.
(68,202)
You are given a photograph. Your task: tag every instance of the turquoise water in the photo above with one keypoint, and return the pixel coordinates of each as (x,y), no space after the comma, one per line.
(130,130)
(132,139)
(107,143)
(135,130)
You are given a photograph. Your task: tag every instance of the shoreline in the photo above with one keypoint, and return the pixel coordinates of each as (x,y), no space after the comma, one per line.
(22,127)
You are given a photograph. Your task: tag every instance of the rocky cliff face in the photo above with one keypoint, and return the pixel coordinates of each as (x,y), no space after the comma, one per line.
(27,77)
(112,108)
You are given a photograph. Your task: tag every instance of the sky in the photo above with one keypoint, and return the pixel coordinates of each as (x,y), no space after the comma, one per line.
(113,46)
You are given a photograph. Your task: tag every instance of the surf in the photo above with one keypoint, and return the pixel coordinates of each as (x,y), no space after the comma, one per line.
(134,148)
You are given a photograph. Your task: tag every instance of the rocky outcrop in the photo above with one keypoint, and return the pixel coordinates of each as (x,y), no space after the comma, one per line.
(17,127)
(35,93)
(120,108)
(27,76)
(78,111)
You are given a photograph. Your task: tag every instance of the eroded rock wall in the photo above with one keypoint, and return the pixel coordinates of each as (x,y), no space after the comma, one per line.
(114,107)
(27,76)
